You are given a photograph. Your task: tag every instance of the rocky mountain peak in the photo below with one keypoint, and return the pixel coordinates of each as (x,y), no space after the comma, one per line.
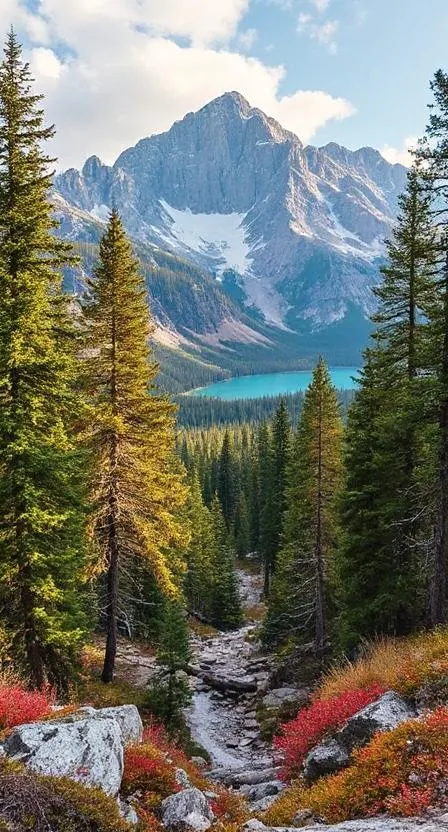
(230,189)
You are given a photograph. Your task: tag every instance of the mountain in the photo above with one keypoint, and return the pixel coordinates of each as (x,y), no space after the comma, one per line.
(294,234)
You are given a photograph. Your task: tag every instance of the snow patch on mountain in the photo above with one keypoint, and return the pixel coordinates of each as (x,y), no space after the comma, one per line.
(219,236)
(100,212)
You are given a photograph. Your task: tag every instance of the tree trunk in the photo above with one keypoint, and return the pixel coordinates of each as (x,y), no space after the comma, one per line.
(112,593)
(320,634)
(437,596)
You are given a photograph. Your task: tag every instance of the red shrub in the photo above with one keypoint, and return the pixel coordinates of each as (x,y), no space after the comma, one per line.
(313,723)
(146,769)
(18,706)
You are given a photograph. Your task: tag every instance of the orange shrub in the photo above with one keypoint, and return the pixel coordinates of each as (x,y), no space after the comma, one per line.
(401,772)
(229,807)
(403,665)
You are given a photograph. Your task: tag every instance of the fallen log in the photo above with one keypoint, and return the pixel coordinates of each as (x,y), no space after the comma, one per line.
(221,683)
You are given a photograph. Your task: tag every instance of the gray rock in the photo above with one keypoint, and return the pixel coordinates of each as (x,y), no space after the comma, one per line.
(127,812)
(326,758)
(128,719)
(363,825)
(261,790)
(277,697)
(263,804)
(187,810)
(389,711)
(88,750)
(200,762)
(182,778)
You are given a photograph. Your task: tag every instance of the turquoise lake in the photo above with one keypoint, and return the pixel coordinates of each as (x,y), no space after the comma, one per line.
(274,384)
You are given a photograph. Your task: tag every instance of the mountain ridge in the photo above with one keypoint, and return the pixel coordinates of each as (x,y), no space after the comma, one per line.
(296,231)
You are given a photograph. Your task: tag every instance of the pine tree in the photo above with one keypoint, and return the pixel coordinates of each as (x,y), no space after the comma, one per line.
(372,590)
(170,692)
(226,604)
(276,500)
(227,486)
(242,529)
(41,495)
(380,563)
(199,575)
(299,601)
(434,152)
(137,488)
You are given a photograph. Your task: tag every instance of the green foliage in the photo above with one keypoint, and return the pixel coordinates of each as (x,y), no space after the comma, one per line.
(225,601)
(170,692)
(299,605)
(41,483)
(381,572)
(137,484)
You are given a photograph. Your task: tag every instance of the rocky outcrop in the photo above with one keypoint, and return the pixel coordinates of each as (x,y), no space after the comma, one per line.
(86,746)
(389,711)
(436,824)
(187,810)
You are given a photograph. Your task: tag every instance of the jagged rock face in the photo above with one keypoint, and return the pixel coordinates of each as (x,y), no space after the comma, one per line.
(230,189)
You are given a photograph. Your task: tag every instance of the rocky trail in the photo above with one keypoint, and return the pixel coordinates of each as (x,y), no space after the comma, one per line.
(232,674)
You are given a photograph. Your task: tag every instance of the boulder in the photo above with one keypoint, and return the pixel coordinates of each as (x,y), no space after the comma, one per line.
(262,790)
(187,810)
(199,762)
(326,758)
(88,750)
(381,824)
(128,719)
(389,711)
(277,697)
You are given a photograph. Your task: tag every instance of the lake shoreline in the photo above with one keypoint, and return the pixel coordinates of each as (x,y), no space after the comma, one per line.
(260,385)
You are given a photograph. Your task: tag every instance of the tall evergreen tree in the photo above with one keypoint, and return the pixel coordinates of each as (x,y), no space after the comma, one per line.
(137,486)
(169,692)
(434,152)
(381,563)
(299,600)
(226,604)
(41,516)
(276,498)
(199,575)
(227,485)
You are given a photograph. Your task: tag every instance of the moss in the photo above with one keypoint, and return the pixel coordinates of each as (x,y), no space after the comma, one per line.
(33,803)
(96,693)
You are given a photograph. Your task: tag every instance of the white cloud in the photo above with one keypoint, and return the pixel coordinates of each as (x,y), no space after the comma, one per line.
(402,156)
(247,39)
(324,33)
(321,6)
(45,63)
(123,77)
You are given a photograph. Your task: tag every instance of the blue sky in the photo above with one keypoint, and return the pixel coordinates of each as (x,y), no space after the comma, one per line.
(352,71)
(381,58)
